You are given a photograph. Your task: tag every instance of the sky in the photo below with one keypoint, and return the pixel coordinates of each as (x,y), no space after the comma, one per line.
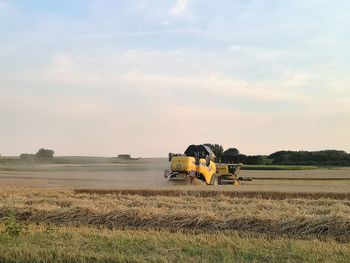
(146,77)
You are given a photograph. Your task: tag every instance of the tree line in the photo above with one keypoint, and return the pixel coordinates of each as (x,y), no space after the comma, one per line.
(42,156)
(326,157)
(232,155)
(317,158)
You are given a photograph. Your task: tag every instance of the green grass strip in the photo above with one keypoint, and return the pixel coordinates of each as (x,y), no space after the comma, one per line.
(69,244)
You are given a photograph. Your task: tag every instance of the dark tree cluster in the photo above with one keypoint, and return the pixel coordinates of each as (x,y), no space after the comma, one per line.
(232,155)
(43,156)
(327,157)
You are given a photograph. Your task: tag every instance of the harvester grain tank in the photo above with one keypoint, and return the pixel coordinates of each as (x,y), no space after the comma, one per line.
(198,163)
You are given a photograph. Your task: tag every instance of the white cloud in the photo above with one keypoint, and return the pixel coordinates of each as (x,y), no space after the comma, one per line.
(5,7)
(146,72)
(4,3)
(280,85)
(179,7)
(144,33)
(130,69)
(111,96)
(256,52)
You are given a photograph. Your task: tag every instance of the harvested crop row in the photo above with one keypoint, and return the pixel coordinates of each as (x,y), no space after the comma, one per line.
(336,226)
(301,217)
(215,193)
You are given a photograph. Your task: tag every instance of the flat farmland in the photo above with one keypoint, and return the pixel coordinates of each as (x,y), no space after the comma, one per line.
(172,225)
(148,173)
(129,213)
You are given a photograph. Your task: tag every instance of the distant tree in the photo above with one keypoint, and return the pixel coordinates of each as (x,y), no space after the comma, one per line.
(216,148)
(232,152)
(230,155)
(26,157)
(255,160)
(327,157)
(44,155)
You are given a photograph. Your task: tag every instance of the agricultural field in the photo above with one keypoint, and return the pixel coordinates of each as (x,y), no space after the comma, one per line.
(129,213)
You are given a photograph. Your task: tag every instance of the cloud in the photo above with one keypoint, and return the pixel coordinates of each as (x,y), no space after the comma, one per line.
(141,70)
(114,78)
(146,73)
(5,7)
(256,52)
(4,3)
(179,7)
(144,33)
(91,105)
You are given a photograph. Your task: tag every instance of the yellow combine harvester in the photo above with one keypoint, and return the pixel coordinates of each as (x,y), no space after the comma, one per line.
(197,163)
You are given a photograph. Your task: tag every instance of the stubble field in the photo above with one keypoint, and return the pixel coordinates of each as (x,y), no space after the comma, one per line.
(91,216)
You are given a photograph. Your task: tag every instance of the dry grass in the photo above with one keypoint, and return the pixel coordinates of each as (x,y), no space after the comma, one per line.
(260,221)
(199,211)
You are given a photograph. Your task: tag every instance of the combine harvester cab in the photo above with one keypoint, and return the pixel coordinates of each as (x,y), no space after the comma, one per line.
(197,164)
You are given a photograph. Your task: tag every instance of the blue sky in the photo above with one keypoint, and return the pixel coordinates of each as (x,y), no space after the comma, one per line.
(148,77)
